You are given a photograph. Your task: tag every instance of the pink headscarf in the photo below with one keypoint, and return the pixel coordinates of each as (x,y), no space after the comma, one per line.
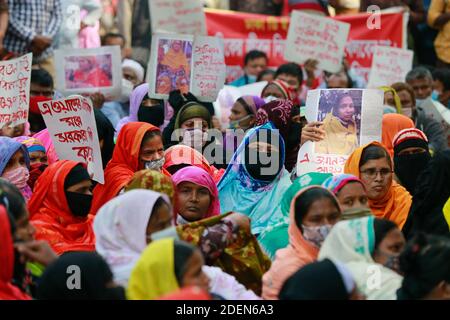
(45,138)
(201,177)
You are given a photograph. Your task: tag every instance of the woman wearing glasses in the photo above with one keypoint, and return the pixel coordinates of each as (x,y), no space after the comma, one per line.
(387,199)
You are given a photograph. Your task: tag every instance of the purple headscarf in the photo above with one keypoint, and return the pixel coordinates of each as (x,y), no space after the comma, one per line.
(251,103)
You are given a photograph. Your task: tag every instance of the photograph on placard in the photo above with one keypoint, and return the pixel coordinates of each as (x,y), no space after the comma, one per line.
(88,71)
(340,112)
(170,66)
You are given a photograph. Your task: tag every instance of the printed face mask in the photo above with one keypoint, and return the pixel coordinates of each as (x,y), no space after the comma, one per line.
(154,164)
(18,177)
(316,235)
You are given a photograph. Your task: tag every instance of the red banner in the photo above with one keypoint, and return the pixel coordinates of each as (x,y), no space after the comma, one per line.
(243,32)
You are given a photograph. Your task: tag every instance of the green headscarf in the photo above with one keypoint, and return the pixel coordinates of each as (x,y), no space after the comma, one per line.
(277,237)
(192,110)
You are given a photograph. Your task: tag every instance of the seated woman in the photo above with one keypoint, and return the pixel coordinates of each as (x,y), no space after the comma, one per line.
(139,146)
(196,195)
(392,124)
(95,279)
(366,244)
(314,211)
(387,199)
(322,280)
(255,180)
(125,225)
(426,273)
(15,164)
(60,206)
(180,156)
(243,112)
(278,89)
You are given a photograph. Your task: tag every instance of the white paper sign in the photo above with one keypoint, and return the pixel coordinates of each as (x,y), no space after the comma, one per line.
(389,65)
(187,63)
(316,37)
(71,125)
(87,71)
(350,118)
(15,90)
(178,16)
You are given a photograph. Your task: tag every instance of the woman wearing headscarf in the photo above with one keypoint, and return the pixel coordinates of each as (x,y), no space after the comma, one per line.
(387,199)
(278,89)
(95,280)
(139,146)
(180,156)
(322,280)
(45,138)
(7,290)
(367,244)
(60,206)
(411,156)
(313,212)
(243,112)
(15,165)
(105,131)
(424,263)
(432,192)
(196,195)
(277,237)
(392,124)
(124,225)
(392,99)
(255,179)
(282,114)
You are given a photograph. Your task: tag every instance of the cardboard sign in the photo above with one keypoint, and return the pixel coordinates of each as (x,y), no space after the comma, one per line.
(15,90)
(71,125)
(389,65)
(177,16)
(187,63)
(87,71)
(350,118)
(316,37)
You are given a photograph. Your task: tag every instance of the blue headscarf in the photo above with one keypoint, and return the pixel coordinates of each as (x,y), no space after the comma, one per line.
(8,147)
(259,200)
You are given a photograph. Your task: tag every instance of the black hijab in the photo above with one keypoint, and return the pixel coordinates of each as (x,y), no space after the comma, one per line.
(105,132)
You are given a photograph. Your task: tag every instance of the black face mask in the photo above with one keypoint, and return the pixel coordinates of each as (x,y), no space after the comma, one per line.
(79,204)
(255,170)
(408,167)
(153,115)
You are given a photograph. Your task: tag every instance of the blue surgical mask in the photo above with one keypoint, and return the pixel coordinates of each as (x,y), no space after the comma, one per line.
(435,95)
(251,78)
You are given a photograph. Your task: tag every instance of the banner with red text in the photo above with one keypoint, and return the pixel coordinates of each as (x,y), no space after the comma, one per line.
(72,127)
(243,32)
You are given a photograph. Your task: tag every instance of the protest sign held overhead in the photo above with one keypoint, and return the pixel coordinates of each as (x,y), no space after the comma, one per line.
(15,90)
(186,63)
(72,127)
(349,117)
(389,65)
(315,37)
(87,71)
(177,16)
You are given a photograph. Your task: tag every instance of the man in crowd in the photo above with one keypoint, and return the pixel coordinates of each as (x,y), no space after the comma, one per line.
(255,62)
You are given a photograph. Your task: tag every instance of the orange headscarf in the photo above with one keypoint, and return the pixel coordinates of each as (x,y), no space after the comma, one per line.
(287,261)
(50,213)
(181,154)
(395,204)
(393,123)
(124,162)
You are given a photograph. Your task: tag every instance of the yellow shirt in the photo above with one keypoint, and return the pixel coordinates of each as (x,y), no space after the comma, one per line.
(338,138)
(442,42)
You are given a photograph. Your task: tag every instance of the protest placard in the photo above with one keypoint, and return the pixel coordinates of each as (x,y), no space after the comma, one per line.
(349,117)
(87,71)
(389,65)
(187,63)
(15,90)
(178,16)
(71,125)
(209,70)
(316,37)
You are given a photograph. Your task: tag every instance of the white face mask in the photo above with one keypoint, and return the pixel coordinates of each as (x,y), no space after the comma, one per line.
(194,138)
(155,164)
(127,88)
(419,102)
(407,112)
(270,98)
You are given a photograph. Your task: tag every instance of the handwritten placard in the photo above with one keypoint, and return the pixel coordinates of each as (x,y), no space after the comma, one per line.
(15,90)
(178,16)
(350,118)
(87,71)
(71,125)
(316,37)
(187,63)
(209,68)
(389,65)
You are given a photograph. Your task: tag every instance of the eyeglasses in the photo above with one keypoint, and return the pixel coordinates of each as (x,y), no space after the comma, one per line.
(372,173)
